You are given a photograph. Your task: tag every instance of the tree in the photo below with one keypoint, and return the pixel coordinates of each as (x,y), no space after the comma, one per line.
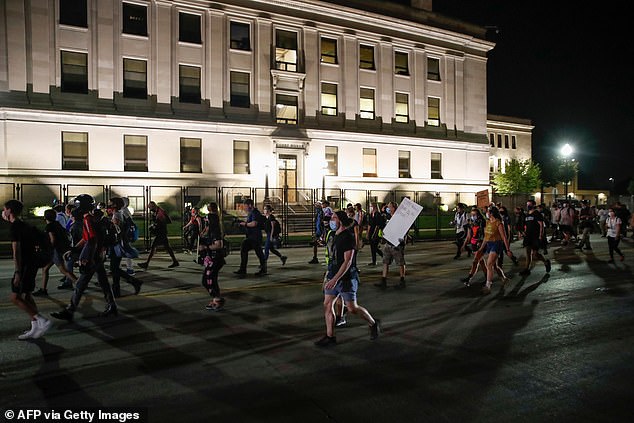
(520,177)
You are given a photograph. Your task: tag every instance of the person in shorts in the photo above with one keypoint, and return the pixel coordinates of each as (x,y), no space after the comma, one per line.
(161,220)
(393,253)
(342,279)
(23,281)
(534,237)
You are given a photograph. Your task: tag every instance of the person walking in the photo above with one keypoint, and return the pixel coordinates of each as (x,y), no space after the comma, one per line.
(376,223)
(586,225)
(22,240)
(495,243)
(91,258)
(61,244)
(121,249)
(273,229)
(212,258)
(534,238)
(460,222)
(160,221)
(132,230)
(253,241)
(393,253)
(343,279)
(613,225)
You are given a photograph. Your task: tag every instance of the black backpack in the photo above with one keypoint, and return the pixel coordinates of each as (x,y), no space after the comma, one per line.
(43,249)
(107,233)
(276,228)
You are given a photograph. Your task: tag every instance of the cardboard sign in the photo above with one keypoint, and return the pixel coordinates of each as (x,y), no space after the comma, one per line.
(482,199)
(401,221)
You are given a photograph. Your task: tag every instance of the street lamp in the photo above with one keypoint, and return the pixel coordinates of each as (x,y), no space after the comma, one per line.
(611,186)
(266,182)
(566,151)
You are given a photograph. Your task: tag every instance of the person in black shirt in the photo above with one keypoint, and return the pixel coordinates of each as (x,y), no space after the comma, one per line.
(533,237)
(342,280)
(61,244)
(376,222)
(23,281)
(253,240)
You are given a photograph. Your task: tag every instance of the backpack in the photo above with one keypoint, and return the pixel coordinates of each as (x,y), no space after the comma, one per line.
(276,228)
(42,248)
(107,234)
(261,221)
(131,229)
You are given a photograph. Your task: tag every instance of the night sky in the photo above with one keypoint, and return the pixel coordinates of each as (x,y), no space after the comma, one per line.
(565,65)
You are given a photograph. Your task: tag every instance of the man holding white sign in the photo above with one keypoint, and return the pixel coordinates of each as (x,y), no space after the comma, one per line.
(394,234)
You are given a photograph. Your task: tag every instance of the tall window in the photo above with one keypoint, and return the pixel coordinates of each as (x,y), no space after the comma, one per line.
(240,36)
(241,157)
(506,141)
(135,153)
(134,78)
(401,63)
(328,50)
(433,69)
(492,140)
(75,150)
(433,111)
(74,72)
(404,164)
(436,166)
(366,57)
(366,103)
(491,164)
(191,157)
(189,28)
(369,162)
(286,50)
(499,140)
(189,84)
(402,107)
(134,19)
(286,109)
(73,12)
(328,99)
(240,91)
(513,142)
(332,158)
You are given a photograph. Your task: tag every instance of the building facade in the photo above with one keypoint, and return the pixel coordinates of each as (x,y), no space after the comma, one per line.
(300,94)
(509,138)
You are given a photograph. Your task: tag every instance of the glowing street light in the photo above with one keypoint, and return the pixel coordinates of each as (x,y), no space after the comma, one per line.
(566,150)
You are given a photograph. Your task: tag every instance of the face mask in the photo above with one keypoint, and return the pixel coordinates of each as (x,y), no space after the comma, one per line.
(333,225)
(529,207)
(388,211)
(474,217)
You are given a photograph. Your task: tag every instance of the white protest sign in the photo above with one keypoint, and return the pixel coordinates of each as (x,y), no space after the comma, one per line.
(401,221)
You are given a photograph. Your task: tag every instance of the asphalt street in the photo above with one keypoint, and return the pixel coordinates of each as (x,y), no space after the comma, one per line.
(555,347)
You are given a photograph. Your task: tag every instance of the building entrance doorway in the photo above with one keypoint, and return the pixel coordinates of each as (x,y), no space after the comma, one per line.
(287,175)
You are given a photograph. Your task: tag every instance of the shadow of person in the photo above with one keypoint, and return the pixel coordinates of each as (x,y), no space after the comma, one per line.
(57,385)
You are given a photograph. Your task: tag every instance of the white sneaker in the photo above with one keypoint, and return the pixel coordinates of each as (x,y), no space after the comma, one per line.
(29,333)
(43,325)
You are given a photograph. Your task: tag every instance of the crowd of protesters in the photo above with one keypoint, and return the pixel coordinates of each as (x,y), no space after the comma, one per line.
(80,237)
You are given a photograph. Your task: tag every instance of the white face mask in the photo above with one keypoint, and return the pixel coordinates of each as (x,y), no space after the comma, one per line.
(5,214)
(488,215)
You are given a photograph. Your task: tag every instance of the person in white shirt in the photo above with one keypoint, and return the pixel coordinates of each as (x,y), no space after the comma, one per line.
(613,225)
(459,222)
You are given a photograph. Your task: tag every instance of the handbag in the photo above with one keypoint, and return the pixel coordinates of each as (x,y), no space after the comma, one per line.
(125,250)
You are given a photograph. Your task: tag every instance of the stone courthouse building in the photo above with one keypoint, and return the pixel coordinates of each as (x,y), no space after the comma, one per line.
(148,98)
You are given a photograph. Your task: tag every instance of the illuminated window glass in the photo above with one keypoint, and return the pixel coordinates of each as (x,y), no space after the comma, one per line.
(366,103)
(332,157)
(433,69)
(74,73)
(436,166)
(135,153)
(74,150)
(240,91)
(404,164)
(191,157)
(366,57)
(286,109)
(328,50)
(241,157)
(328,99)
(433,111)
(369,162)
(401,65)
(286,50)
(402,108)
(134,78)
